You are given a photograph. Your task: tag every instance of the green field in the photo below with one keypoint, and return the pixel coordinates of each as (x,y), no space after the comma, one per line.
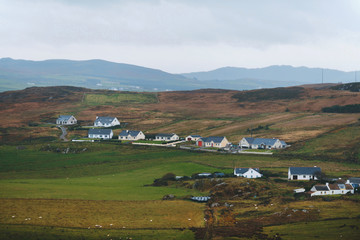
(109,183)
(120,98)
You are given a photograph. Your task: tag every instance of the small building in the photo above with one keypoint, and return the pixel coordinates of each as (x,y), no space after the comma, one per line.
(192,137)
(217,142)
(219,174)
(303,173)
(247,172)
(262,143)
(106,122)
(131,135)
(299,190)
(66,120)
(100,133)
(203,175)
(331,189)
(166,137)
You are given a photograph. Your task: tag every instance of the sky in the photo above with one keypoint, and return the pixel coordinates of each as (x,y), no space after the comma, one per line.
(180,36)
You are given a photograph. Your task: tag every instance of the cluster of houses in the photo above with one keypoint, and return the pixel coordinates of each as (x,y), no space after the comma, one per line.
(103,124)
(308,173)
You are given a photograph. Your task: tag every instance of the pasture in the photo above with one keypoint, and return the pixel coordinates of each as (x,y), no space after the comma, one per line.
(93,99)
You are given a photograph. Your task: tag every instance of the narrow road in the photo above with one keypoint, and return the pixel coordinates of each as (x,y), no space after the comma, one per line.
(63,135)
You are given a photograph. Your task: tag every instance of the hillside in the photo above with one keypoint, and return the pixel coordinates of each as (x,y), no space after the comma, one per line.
(100,74)
(292,114)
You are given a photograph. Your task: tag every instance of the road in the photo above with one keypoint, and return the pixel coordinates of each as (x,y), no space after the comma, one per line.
(64,133)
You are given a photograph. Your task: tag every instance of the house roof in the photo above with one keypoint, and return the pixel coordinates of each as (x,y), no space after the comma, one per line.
(264,141)
(195,136)
(304,170)
(348,187)
(321,188)
(354,180)
(132,133)
(165,134)
(100,131)
(64,117)
(249,139)
(244,170)
(334,187)
(283,143)
(212,139)
(104,120)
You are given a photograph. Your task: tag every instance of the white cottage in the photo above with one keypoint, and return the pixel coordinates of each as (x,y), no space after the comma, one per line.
(131,135)
(261,143)
(331,189)
(247,172)
(217,142)
(100,133)
(192,137)
(303,173)
(166,137)
(106,122)
(66,120)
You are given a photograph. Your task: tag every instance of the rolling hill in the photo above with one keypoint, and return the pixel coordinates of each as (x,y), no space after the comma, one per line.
(100,74)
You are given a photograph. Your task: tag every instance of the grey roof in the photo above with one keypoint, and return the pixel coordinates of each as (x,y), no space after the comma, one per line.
(283,143)
(212,139)
(264,141)
(354,180)
(165,134)
(249,139)
(104,120)
(125,133)
(321,188)
(195,136)
(64,117)
(244,170)
(304,170)
(100,131)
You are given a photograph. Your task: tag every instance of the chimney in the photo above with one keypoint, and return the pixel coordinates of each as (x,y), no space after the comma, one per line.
(327,184)
(96,117)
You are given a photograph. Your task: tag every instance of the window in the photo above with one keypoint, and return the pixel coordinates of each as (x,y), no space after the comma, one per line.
(304,176)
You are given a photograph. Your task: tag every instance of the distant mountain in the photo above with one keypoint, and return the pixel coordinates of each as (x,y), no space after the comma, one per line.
(96,74)
(100,74)
(285,75)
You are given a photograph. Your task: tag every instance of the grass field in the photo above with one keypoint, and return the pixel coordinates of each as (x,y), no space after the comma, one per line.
(120,98)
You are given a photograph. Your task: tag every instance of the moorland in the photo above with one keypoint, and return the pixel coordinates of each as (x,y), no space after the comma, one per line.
(105,190)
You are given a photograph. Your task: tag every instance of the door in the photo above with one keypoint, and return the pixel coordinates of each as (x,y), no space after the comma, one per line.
(200,143)
(295,177)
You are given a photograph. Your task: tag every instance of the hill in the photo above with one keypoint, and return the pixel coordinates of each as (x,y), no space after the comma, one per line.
(273,76)
(100,74)
(96,74)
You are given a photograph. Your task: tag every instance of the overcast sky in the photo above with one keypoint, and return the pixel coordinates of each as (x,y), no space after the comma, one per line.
(185,35)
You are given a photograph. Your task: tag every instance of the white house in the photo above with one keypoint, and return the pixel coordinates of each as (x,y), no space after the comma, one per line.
(66,120)
(331,189)
(261,143)
(131,135)
(217,142)
(100,133)
(247,172)
(166,137)
(106,122)
(192,137)
(303,173)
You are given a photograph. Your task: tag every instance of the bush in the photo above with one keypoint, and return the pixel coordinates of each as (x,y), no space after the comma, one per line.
(163,181)
(352,108)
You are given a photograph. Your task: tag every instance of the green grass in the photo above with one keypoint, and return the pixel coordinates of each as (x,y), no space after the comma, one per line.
(330,229)
(19,232)
(120,98)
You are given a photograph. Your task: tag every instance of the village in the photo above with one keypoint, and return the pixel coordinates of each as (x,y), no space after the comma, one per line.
(101,130)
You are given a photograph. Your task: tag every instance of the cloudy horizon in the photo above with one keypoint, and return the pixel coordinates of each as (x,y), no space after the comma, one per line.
(185,36)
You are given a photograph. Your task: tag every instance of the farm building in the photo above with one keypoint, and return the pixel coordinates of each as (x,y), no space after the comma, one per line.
(217,142)
(261,143)
(247,172)
(192,137)
(66,120)
(166,137)
(106,122)
(100,133)
(303,173)
(331,189)
(131,135)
